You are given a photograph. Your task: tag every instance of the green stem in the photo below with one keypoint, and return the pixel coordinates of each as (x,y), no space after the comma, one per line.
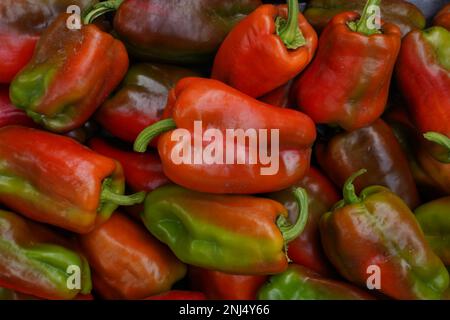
(149,133)
(349,193)
(292,231)
(289,31)
(438,138)
(100,9)
(108,195)
(362,25)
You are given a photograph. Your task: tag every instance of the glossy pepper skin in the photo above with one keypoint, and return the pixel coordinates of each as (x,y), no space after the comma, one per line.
(423,75)
(434,219)
(377,228)
(306,250)
(178,32)
(54,179)
(35,260)
(127,262)
(228,233)
(21,23)
(49,88)
(223,286)
(143,172)
(442,18)
(375,148)
(399,12)
(257,57)
(222,107)
(347,83)
(140,100)
(300,283)
(9,114)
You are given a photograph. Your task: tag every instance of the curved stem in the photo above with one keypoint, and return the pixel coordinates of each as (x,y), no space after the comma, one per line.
(289,31)
(367,14)
(438,138)
(109,195)
(149,133)
(349,193)
(100,9)
(292,231)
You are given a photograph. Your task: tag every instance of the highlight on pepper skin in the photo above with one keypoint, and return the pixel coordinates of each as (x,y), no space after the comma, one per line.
(224,150)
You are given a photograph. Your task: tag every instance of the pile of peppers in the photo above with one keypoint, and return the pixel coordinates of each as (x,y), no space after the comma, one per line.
(346,198)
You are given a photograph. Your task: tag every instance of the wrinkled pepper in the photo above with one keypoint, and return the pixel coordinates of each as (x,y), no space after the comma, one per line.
(140,100)
(21,23)
(223,108)
(306,250)
(143,172)
(229,233)
(179,32)
(9,114)
(347,84)
(423,75)
(37,261)
(54,179)
(300,283)
(127,262)
(71,73)
(377,231)
(399,12)
(375,148)
(434,219)
(224,286)
(442,18)
(178,295)
(265,50)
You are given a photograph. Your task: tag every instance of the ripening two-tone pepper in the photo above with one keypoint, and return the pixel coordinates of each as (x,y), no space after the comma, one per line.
(127,262)
(306,250)
(37,261)
(140,100)
(235,234)
(376,234)
(300,283)
(178,32)
(71,73)
(442,18)
(21,23)
(54,179)
(198,104)
(423,75)
(347,84)
(434,219)
(266,49)
(399,12)
(375,148)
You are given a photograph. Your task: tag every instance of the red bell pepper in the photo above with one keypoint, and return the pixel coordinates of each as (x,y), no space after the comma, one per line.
(266,49)
(442,18)
(143,172)
(281,96)
(223,286)
(306,250)
(347,83)
(127,262)
(223,108)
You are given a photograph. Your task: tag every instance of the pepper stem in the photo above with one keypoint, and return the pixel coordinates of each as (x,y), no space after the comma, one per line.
(289,31)
(149,133)
(109,195)
(438,138)
(365,24)
(349,193)
(100,9)
(292,231)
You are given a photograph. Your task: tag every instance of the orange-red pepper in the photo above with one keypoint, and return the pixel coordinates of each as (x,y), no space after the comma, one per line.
(266,49)
(442,18)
